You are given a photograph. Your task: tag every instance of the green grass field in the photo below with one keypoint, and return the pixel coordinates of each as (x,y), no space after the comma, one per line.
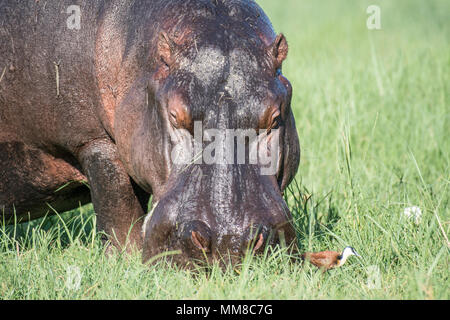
(373,115)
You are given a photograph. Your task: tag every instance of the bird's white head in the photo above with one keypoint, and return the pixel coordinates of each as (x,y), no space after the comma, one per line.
(348,251)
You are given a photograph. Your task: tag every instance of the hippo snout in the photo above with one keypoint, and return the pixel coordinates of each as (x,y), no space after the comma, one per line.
(198,239)
(198,235)
(208,238)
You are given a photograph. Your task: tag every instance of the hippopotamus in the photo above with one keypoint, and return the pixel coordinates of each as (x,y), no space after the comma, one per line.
(96,96)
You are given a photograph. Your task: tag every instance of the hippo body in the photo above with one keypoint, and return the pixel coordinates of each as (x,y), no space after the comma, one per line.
(104,104)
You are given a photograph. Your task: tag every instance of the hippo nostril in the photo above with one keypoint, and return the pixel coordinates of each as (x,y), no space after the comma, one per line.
(197,235)
(259,243)
(254,238)
(199,241)
(255,244)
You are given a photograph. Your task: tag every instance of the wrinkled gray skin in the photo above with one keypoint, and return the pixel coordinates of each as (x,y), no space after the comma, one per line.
(132,82)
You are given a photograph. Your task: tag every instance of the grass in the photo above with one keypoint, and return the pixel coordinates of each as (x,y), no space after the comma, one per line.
(373,116)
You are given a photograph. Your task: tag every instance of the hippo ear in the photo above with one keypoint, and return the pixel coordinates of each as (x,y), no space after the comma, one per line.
(166,48)
(279,50)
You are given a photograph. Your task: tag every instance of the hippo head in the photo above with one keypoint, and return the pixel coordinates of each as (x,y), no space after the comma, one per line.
(216,143)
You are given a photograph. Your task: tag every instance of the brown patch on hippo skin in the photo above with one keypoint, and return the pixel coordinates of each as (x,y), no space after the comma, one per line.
(167,48)
(164,50)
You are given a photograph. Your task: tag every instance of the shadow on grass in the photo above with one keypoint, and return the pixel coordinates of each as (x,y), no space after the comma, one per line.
(60,230)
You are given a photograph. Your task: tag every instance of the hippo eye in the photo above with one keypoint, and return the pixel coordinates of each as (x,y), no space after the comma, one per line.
(165,64)
(179,113)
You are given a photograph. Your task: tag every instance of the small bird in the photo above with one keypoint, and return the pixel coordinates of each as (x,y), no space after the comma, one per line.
(327,260)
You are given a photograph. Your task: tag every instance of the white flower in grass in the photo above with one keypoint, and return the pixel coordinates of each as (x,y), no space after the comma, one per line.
(413,212)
